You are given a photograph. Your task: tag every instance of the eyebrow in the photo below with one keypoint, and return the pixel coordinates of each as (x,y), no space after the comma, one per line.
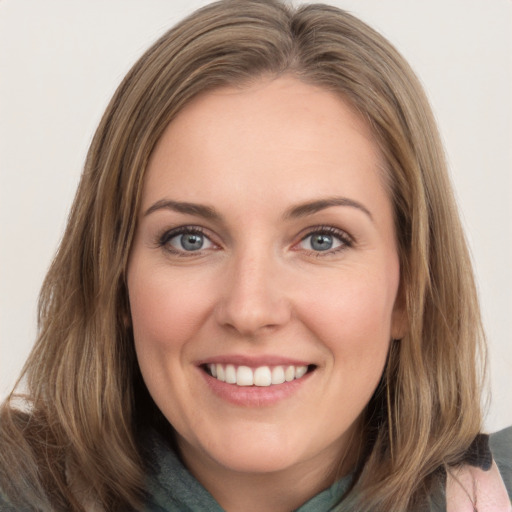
(200,210)
(297,211)
(311,207)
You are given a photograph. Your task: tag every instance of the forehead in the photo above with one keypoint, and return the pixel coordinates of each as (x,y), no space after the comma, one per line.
(273,135)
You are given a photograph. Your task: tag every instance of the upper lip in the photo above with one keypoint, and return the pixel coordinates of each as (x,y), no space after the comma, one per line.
(253,361)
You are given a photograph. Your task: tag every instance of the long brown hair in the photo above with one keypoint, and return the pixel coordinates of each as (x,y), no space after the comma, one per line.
(83,405)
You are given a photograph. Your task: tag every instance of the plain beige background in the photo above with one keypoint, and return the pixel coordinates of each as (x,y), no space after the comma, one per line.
(61,60)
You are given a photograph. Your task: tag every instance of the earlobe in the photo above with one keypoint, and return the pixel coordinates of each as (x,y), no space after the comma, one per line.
(127,321)
(399,324)
(126,311)
(399,317)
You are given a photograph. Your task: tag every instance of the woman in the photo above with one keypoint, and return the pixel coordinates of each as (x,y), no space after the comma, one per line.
(263,299)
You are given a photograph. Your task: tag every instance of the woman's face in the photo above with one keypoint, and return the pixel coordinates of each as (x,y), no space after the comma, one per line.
(263,277)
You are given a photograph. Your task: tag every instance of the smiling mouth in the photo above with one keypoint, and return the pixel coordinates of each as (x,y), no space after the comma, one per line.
(262,376)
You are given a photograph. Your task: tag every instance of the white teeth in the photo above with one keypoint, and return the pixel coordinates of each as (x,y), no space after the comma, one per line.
(289,373)
(300,371)
(220,373)
(278,375)
(244,376)
(230,374)
(262,376)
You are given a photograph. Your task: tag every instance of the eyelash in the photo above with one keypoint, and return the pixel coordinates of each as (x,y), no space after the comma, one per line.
(346,240)
(164,238)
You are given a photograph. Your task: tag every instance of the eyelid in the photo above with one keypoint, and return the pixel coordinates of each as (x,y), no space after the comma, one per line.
(346,240)
(164,236)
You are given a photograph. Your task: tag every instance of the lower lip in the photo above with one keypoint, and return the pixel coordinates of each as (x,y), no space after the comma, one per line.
(254,396)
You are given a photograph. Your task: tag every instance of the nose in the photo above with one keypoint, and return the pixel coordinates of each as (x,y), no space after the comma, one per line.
(254,299)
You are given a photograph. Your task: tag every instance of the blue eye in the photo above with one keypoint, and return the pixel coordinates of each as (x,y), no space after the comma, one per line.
(186,239)
(321,242)
(189,242)
(325,240)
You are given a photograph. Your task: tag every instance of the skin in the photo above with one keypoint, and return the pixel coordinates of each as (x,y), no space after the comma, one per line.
(258,287)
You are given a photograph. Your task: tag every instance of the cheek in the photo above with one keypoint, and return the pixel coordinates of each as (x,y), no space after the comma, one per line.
(165,310)
(352,316)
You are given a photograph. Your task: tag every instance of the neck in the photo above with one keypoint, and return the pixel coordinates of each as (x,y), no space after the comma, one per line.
(276,491)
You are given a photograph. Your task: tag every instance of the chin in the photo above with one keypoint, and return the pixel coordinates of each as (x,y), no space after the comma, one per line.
(255,461)
(251,452)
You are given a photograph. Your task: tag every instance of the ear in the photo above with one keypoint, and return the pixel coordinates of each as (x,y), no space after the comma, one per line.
(126,311)
(399,318)
(127,320)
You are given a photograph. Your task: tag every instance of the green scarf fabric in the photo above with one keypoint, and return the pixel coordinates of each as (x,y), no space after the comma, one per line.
(172,488)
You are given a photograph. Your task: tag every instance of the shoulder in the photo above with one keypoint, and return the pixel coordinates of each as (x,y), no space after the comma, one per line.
(483,483)
(501,448)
